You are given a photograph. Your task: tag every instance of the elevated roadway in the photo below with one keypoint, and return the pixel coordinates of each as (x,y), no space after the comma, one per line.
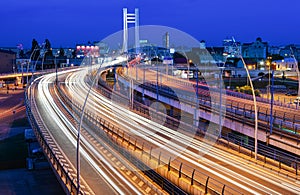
(239,112)
(174,155)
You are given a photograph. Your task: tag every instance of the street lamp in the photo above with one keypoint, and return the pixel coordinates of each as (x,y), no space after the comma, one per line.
(220,99)
(272,103)
(33,52)
(187,63)
(79,130)
(156,64)
(254,101)
(43,46)
(43,59)
(43,56)
(298,75)
(56,78)
(22,74)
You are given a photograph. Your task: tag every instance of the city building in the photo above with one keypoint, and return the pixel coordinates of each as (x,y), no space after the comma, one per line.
(202,44)
(273,50)
(68,52)
(103,47)
(257,50)
(287,64)
(83,50)
(217,54)
(7,61)
(166,41)
(290,50)
(207,55)
(231,48)
(250,63)
(23,64)
(13,49)
(43,61)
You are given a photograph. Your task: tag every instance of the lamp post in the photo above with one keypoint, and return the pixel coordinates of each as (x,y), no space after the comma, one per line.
(56,78)
(196,120)
(225,55)
(298,75)
(220,101)
(255,110)
(157,90)
(79,130)
(157,95)
(269,88)
(254,101)
(136,68)
(156,65)
(43,46)
(168,57)
(272,102)
(187,63)
(33,52)
(22,75)
(43,59)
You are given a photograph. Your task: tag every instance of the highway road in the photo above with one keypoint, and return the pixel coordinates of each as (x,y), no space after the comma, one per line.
(236,173)
(97,171)
(105,170)
(286,118)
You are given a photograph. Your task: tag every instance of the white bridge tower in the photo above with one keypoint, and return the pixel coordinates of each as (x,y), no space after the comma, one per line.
(131,19)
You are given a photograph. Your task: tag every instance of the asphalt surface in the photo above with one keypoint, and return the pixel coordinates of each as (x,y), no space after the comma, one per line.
(40,180)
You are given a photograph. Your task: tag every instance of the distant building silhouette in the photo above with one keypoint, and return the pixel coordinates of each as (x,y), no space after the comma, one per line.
(257,50)
(7,61)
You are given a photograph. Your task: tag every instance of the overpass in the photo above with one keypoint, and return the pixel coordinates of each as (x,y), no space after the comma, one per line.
(239,111)
(17,77)
(53,112)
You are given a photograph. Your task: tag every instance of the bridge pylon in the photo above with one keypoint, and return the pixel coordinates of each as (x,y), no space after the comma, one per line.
(131,18)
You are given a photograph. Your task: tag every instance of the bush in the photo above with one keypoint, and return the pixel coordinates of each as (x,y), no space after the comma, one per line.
(247,90)
(257,92)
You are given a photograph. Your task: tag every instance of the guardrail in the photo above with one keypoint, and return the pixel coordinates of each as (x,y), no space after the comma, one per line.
(157,165)
(236,94)
(113,135)
(99,126)
(63,169)
(287,163)
(284,120)
(267,154)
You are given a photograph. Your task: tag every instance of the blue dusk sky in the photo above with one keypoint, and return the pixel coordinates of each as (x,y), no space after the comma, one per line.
(67,22)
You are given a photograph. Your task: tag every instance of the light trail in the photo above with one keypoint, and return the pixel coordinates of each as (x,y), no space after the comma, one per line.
(66,126)
(128,118)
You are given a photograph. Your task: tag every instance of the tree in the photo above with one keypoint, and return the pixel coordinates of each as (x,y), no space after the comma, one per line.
(61,52)
(34,45)
(247,90)
(48,48)
(47,44)
(22,54)
(35,50)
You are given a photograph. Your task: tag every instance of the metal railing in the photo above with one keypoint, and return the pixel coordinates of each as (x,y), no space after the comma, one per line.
(102,127)
(268,155)
(60,164)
